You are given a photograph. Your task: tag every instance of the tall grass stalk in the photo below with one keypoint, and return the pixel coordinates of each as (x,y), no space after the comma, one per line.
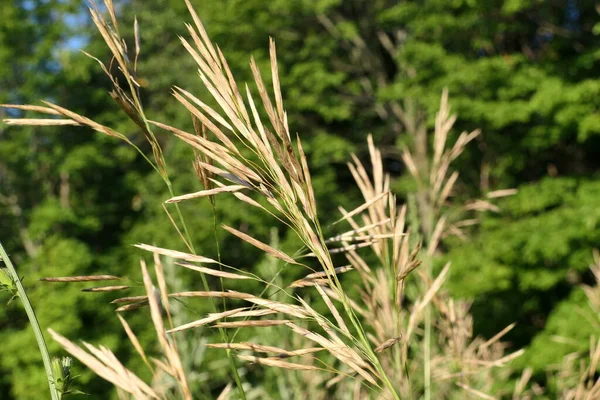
(365,341)
(130,101)
(33,321)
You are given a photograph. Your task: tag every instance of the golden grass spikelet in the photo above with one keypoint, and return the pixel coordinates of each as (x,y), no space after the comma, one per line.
(84,278)
(387,344)
(129,299)
(216,294)
(290,309)
(350,233)
(132,306)
(204,193)
(43,110)
(86,121)
(338,350)
(251,313)
(176,254)
(105,365)
(259,348)
(435,286)
(134,341)
(310,282)
(215,152)
(204,119)
(477,393)
(205,321)
(226,393)
(338,318)
(275,362)
(482,205)
(212,113)
(361,208)
(498,336)
(214,272)
(264,247)
(105,288)
(40,122)
(501,193)
(318,277)
(203,175)
(250,323)
(162,285)
(168,347)
(205,122)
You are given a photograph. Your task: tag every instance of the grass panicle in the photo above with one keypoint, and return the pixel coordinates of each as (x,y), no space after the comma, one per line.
(395,333)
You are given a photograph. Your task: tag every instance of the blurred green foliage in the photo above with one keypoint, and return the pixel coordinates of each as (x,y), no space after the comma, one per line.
(524,71)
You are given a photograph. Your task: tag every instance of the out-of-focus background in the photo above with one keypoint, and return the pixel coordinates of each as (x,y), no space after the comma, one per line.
(525,72)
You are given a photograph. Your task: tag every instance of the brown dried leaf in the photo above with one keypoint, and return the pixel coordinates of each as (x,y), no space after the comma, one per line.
(387,344)
(105,288)
(176,254)
(86,278)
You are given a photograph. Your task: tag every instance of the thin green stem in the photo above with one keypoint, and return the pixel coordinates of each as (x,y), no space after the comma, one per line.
(216,236)
(188,236)
(427,349)
(367,347)
(427,327)
(165,175)
(37,331)
(224,333)
(366,344)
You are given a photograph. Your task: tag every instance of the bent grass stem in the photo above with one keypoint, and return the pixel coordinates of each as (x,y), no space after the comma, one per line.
(37,331)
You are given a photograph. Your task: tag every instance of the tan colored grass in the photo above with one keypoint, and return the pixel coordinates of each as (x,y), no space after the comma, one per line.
(366,338)
(264,247)
(86,278)
(204,193)
(129,299)
(133,306)
(214,272)
(277,363)
(105,365)
(252,323)
(134,341)
(258,348)
(176,254)
(168,346)
(318,278)
(205,321)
